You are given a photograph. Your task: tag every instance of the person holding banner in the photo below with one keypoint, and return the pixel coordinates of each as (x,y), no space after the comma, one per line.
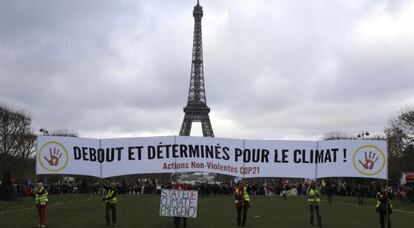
(110,200)
(177,220)
(384,207)
(242,201)
(41,199)
(313,195)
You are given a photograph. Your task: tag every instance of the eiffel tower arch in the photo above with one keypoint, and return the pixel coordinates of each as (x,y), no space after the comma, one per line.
(196,109)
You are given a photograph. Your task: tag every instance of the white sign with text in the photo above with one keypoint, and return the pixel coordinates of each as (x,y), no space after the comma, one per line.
(178,203)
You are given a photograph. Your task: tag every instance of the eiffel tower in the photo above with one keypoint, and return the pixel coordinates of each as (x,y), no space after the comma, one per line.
(197,109)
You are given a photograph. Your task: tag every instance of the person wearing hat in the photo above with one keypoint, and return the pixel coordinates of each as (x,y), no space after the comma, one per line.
(242,201)
(177,220)
(110,201)
(313,196)
(41,199)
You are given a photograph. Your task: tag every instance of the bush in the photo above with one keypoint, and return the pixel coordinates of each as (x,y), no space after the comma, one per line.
(410,196)
(7,192)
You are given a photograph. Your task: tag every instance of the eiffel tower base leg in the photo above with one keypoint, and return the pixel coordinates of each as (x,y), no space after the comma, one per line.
(205,124)
(186,126)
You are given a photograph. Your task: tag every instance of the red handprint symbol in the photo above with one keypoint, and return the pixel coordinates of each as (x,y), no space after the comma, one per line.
(54,157)
(369,160)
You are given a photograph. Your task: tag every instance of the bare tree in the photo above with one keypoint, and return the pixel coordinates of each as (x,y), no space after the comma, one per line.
(400,132)
(26,145)
(15,127)
(16,146)
(400,138)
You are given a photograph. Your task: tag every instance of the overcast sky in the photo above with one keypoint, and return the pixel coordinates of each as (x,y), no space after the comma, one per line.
(273,69)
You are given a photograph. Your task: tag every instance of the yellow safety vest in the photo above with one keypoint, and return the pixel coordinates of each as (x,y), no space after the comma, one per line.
(246,196)
(110,199)
(42,198)
(313,195)
(379,199)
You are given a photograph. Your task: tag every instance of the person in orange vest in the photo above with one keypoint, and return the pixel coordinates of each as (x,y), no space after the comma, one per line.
(314,198)
(110,201)
(242,201)
(41,199)
(384,207)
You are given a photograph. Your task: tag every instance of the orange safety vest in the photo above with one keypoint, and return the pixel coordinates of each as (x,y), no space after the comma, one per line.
(241,197)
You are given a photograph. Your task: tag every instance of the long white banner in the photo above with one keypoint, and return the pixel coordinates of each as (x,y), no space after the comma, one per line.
(235,157)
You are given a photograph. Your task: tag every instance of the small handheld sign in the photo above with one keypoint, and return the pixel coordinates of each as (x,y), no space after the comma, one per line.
(178,203)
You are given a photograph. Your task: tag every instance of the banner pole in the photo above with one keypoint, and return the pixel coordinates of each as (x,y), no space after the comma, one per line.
(388,199)
(36,157)
(316,162)
(102,184)
(244,149)
(386,205)
(175,159)
(100,164)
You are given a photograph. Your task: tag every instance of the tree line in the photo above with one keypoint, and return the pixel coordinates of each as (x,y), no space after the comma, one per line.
(17,147)
(18,142)
(400,139)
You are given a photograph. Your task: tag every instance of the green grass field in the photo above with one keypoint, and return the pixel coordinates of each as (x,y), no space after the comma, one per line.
(79,210)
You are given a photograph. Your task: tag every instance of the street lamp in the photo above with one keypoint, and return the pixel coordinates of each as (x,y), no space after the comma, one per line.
(44,131)
(363,134)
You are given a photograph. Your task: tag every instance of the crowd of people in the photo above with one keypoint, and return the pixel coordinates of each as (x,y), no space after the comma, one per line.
(396,192)
(280,187)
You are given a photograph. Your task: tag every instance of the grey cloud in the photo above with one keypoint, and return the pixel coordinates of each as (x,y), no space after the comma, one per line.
(274,69)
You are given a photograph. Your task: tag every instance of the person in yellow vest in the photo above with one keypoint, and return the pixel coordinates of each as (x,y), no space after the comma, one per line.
(41,199)
(384,207)
(110,200)
(242,201)
(314,199)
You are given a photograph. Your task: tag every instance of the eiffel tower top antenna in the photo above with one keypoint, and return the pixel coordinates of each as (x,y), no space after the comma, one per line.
(197,109)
